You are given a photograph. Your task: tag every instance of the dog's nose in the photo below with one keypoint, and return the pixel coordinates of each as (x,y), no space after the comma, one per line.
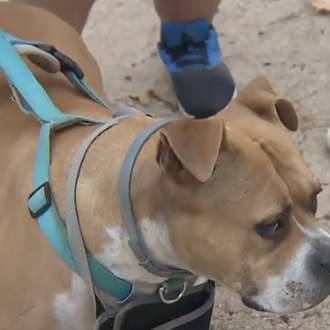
(325,260)
(322,256)
(326,266)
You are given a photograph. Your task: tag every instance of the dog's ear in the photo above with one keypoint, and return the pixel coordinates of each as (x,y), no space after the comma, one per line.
(192,145)
(260,97)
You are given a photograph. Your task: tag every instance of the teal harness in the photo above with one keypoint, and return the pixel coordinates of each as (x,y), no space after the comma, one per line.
(66,238)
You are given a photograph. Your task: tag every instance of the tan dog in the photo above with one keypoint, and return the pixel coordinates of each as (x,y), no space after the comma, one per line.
(228,198)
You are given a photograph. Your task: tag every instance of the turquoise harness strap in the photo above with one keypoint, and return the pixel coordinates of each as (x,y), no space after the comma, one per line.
(43,207)
(80,83)
(71,70)
(23,80)
(41,202)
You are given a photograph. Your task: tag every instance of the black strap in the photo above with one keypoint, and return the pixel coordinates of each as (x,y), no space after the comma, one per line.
(99,307)
(66,62)
(192,312)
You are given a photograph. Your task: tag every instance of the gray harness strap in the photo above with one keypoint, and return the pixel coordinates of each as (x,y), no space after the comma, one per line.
(75,239)
(136,241)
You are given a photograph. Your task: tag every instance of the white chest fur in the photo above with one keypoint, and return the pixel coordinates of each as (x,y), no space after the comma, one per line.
(74,309)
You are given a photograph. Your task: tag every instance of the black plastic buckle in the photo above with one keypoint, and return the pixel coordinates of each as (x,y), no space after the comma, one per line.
(48,200)
(67,63)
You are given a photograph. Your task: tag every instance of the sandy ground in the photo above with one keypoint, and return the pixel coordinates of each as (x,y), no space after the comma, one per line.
(285,40)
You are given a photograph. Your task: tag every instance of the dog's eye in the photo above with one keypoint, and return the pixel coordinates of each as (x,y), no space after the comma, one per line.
(272,230)
(277,229)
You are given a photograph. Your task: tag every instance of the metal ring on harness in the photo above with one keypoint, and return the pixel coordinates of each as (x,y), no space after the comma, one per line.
(162,294)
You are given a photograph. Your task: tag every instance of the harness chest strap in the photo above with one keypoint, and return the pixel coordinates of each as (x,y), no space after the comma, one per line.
(193,312)
(136,241)
(41,203)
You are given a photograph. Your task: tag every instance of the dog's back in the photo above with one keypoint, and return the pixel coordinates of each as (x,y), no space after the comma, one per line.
(19,134)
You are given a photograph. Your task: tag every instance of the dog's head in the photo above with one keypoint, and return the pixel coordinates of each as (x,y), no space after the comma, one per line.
(240,202)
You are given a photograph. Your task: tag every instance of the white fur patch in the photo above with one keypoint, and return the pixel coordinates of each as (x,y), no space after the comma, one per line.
(295,289)
(74,309)
(275,298)
(119,257)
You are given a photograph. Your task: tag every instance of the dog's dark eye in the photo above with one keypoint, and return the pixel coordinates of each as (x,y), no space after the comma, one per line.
(277,229)
(270,230)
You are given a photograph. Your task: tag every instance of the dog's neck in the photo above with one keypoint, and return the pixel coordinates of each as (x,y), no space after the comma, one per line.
(147,202)
(119,257)
(100,214)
